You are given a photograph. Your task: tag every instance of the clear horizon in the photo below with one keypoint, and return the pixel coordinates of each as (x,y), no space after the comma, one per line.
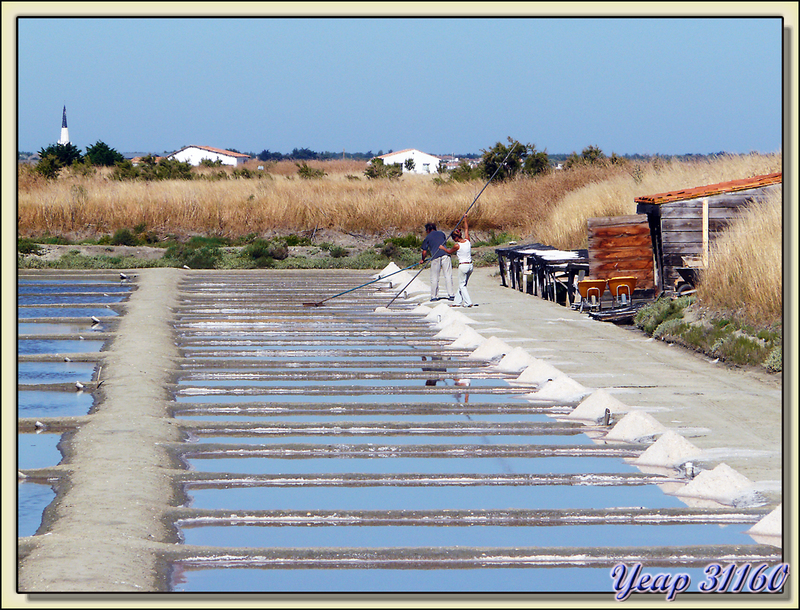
(440,85)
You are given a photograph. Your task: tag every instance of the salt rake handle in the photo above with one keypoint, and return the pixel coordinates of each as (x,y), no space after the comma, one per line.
(318,303)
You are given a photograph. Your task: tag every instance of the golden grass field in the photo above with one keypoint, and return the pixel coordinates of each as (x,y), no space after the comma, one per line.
(551,209)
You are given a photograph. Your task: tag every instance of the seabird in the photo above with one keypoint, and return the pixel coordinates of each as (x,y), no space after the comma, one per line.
(186,267)
(122,276)
(67,359)
(79,385)
(95,320)
(39,426)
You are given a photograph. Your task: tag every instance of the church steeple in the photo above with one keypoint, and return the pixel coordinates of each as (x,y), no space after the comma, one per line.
(64,131)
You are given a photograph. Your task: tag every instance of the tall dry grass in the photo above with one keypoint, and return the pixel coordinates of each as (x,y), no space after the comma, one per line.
(552,209)
(744,275)
(566,225)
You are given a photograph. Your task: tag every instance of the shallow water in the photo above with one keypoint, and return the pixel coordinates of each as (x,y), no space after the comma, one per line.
(58,346)
(64,312)
(54,372)
(72,299)
(431,497)
(34,403)
(32,499)
(480,580)
(44,328)
(38,450)
(247,536)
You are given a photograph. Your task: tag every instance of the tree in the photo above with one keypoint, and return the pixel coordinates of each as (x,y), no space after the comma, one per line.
(65,154)
(509,161)
(102,154)
(378,169)
(591,155)
(410,165)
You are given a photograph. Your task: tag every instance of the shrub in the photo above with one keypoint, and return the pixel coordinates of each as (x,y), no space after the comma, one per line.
(309,173)
(124,237)
(201,257)
(26,246)
(774,361)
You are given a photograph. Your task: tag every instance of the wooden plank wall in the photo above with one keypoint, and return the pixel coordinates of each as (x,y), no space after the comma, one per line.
(682,226)
(620,246)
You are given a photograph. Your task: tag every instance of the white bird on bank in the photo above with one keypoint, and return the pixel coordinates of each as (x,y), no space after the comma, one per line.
(95,320)
(39,426)
(122,276)
(79,385)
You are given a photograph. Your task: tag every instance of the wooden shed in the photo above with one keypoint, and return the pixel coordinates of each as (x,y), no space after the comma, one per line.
(621,246)
(683,223)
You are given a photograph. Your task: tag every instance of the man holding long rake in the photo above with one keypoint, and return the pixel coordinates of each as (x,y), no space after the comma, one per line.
(439,262)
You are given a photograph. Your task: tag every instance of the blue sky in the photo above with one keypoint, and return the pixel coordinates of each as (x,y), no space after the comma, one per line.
(443,85)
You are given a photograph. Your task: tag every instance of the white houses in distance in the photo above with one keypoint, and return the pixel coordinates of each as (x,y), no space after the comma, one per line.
(423,162)
(195,154)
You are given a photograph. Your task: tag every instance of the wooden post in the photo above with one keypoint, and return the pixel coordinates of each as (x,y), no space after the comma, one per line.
(705,233)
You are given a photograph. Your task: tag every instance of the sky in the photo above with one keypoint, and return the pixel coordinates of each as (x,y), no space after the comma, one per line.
(444,85)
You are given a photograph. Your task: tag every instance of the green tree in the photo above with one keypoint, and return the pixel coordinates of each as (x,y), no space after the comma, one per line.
(49,167)
(55,157)
(409,164)
(513,159)
(102,154)
(378,169)
(591,155)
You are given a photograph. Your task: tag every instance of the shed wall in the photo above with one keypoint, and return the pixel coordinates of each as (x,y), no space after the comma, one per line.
(681,226)
(621,246)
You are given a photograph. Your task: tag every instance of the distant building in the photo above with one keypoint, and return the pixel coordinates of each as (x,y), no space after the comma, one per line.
(64,139)
(195,154)
(423,162)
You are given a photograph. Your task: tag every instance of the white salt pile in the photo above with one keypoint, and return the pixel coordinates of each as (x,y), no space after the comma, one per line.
(468,339)
(562,389)
(537,373)
(593,408)
(722,485)
(636,426)
(515,361)
(387,270)
(770,529)
(452,331)
(669,451)
(491,348)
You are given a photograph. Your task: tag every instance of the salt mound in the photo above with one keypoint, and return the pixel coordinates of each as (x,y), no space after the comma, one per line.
(421,310)
(668,451)
(468,339)
(560,389)
(635,426)
(382,310)
(491,348)
(771,525)
(515,361)
(388,269)
(723,485)
(442,315)
(593,408)
(537,373)
(452,331)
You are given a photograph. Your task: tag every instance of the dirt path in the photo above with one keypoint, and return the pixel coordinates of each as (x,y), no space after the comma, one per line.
(736,414)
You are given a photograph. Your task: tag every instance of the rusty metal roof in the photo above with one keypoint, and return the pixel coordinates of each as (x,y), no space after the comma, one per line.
(713,189)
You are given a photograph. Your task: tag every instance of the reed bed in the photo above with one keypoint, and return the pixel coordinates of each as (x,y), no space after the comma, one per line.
(551,209)
(744,277)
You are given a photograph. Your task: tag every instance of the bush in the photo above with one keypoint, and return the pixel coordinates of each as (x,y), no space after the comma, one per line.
(202,257)
(124,237)
(309,173)
(648,318)
(26,246)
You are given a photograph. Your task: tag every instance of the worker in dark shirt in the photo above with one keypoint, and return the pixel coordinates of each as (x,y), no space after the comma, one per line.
(440,261)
